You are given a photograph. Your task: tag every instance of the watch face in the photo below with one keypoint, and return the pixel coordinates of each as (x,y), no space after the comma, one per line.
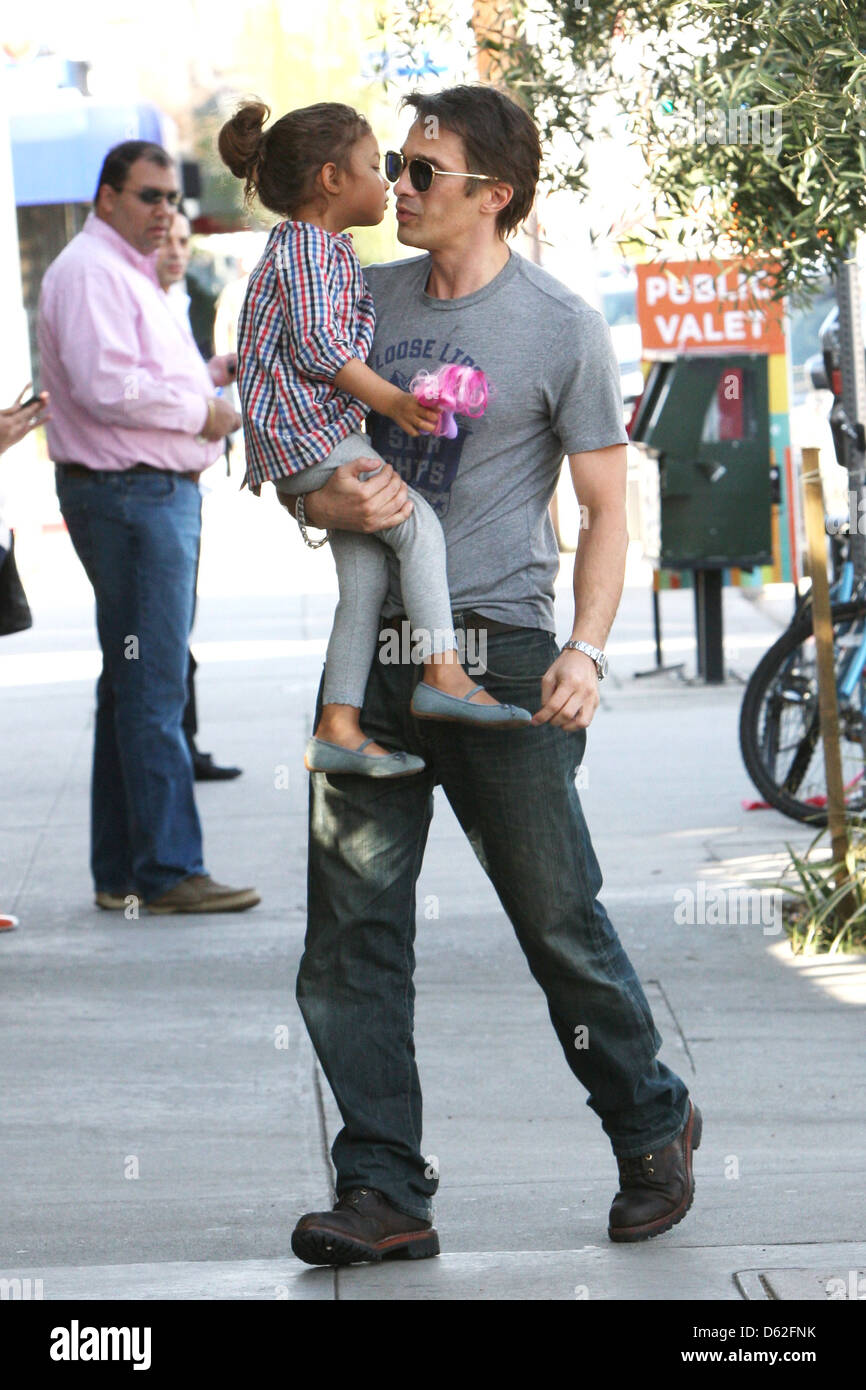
(602,666)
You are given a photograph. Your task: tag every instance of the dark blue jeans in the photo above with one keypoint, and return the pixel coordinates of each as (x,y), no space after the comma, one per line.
(513,791)
(137,536)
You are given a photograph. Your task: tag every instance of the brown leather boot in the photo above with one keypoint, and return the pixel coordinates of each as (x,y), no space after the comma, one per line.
(362,1226)
(199,893)
(656,1189)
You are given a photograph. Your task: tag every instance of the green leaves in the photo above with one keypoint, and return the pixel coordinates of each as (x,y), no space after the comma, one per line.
(826,906)
(683,72)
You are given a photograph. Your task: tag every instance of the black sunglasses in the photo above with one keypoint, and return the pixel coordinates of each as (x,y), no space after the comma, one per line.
(152,196)
(421,172)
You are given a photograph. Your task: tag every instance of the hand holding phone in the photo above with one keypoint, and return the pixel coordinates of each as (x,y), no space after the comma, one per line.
(18,420)
(33,400)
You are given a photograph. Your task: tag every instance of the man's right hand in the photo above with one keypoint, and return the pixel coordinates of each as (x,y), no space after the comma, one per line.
(222,419)
(347,504)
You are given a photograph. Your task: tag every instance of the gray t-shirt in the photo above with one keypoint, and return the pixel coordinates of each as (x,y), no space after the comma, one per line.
(555,380)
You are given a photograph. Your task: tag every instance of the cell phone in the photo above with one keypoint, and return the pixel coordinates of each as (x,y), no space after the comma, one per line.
(28,405)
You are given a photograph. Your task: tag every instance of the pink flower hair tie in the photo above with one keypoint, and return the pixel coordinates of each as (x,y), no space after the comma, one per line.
(455,390)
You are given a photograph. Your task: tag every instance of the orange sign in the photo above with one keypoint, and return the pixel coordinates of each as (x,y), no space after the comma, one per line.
(693,306)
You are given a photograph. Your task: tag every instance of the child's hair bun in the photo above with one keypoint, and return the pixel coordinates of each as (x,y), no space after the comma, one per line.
(240,139)
(280,165)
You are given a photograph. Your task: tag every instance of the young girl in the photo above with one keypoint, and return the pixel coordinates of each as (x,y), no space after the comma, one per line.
(304,334)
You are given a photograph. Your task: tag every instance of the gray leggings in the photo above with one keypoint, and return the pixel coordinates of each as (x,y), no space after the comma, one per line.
(362,575)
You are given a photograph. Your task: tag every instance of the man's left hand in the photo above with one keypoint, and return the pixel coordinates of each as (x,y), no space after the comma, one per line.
(223,370)
(569,691)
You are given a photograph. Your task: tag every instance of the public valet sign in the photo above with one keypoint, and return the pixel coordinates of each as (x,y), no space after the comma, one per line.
(718,397)
(687,306)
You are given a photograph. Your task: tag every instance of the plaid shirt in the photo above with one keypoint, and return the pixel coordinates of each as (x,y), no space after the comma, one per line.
(307,312)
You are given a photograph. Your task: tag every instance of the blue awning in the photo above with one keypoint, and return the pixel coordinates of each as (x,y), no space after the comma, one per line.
(57,153)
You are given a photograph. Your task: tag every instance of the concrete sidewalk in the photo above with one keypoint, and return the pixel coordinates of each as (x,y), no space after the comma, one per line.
(165,1121)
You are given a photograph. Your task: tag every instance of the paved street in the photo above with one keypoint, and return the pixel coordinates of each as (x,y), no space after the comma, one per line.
(165,1122)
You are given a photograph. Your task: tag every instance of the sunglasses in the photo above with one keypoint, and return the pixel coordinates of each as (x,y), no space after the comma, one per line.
(421,172)
(152,196)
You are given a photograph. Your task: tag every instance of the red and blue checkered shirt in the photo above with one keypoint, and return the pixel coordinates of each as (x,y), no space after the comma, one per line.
(307,312)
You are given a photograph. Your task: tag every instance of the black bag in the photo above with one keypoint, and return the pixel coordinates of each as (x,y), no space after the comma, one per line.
(15,615)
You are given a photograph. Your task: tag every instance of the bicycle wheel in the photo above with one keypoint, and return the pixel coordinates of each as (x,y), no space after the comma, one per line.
(780,736)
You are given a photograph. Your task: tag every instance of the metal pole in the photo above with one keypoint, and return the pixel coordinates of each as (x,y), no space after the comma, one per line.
(853,364)
(709,627)
(657,626)
(659,668)
(828,709)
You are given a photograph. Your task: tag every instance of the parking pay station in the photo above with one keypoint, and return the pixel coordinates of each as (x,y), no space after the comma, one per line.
(715,343)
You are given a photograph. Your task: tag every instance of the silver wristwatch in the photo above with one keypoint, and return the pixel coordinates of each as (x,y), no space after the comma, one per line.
(593,653)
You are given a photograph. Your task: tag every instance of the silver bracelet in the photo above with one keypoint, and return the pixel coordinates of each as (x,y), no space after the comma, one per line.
(301,518)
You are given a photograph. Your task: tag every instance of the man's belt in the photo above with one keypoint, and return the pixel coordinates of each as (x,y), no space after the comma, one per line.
(464,618)
(79,470)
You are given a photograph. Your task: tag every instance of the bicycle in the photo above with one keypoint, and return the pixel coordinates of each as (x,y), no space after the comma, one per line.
(780,735)
(780,732)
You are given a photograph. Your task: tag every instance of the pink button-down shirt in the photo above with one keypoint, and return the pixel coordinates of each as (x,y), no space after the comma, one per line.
(127,382)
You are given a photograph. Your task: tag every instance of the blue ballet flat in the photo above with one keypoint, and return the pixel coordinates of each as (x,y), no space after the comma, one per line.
(430,703)
(321,756)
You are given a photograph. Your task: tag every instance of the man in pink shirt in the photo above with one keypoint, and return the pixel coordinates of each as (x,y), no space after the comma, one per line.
(135,421)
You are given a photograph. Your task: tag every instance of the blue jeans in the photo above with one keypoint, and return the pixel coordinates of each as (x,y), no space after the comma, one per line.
(137,536)
(514,793)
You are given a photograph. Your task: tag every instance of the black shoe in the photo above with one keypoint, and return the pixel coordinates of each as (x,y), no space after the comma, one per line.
(362,1227)
(656,1190)
(206,770)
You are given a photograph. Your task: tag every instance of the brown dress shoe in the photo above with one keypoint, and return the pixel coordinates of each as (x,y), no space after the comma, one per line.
(656,1189)
(362,1226)
(116,902)
(199,893)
